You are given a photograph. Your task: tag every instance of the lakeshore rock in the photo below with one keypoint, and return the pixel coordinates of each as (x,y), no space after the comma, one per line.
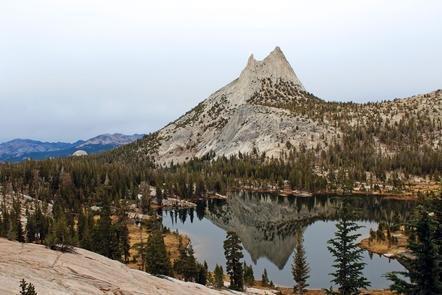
(82,272)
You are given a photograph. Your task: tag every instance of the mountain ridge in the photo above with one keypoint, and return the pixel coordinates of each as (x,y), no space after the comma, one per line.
(266,109)
(20,149)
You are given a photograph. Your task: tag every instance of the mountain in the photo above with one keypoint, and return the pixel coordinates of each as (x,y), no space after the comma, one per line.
(115,139)
(81,272)
(267,110)
(21,149)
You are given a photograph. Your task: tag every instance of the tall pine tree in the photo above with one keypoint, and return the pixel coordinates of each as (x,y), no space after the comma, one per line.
(17,225)
(30,227)
(233,254)
(156,258)
(348,256)
(300,268)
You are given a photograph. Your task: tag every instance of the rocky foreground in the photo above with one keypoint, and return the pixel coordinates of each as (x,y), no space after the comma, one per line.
(83,272)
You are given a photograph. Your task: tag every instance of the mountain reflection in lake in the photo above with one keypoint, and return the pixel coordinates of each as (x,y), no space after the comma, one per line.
(267,224)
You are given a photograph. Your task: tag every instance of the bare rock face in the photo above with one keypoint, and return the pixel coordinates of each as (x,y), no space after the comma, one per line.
(275,66)
(83,272)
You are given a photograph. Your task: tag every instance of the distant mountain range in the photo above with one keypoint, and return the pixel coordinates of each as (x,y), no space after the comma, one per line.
(21,149)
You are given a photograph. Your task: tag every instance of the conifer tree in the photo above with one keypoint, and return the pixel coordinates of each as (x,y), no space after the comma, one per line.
(348,256)
(210,279)
(5,225)
(219,276)
(101,237)
(424,270)
(123,238)
(41,223)
(178,265)
(105,237)
(249,278)
(30,227)
(233,254)
(202,273)
(85,229)
(186,265)
(17,226)
(27,288)
(300,268)
(1,223)
(436,209)
(123,233)
(190,266)
(59,237)
(156,257)
(264,278)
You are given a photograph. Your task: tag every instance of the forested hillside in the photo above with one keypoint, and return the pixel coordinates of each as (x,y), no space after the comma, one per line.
(265,126)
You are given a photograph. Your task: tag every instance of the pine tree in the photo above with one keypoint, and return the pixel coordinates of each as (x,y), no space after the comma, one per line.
(18,227)
(101,234)
(27,288)
(178,265)
(5,225)
(85,229)
(202,273)
(436,208)
(300,268)
(123,233)
(123,238)
(41,224)
(219,277)
(190,266)
(30,227)
(233,254)
(156,258)
(348,256)
(105,235)
(23,287)
(186,265)
(59,237)
(210,279)
(424,270)
(1,223)
(264,278)
(249,278)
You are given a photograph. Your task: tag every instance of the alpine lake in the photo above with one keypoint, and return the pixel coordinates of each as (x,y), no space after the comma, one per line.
(267,225)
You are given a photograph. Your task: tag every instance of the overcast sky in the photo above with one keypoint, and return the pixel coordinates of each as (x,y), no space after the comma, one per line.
(73,69)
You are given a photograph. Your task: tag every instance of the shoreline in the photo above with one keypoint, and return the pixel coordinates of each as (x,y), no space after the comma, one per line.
(178,203)
(388,250)
(406,196)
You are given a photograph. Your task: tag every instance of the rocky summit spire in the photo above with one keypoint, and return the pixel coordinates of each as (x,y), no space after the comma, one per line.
(275,66)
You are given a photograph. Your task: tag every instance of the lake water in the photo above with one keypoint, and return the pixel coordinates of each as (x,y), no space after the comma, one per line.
(267,225)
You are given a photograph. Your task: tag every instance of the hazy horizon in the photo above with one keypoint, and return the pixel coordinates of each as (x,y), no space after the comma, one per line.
(75,69)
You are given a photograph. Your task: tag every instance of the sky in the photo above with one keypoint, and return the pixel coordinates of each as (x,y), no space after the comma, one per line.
(73,69)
